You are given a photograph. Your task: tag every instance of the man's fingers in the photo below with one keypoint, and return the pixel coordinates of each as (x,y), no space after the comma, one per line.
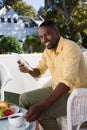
(31,119)
(29,116)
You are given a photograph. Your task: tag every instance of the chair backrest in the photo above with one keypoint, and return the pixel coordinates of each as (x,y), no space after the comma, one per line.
(77,108)
(4,78)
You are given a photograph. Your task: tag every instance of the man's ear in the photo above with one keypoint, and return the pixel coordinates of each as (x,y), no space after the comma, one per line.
(58,32)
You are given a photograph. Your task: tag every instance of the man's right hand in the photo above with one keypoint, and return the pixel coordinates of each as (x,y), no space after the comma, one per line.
(22,66)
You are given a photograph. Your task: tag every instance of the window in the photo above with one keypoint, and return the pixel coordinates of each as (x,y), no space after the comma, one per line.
(9,20)
(26,25)
(15,20)
(2,19)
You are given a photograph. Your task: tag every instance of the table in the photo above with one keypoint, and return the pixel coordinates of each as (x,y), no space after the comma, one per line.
(4,124)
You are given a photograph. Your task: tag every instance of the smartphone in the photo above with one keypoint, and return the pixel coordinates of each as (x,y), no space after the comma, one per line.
(19,57)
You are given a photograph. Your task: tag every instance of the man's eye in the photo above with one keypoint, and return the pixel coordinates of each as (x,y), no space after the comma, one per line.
(47,34)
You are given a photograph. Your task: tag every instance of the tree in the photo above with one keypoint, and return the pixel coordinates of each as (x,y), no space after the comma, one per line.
(23,9)
(33,44)
(64,7)
(10,44)
(70,16)
(8,2)
(20,7)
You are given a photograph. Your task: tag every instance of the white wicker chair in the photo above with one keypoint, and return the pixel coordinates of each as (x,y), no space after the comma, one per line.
(77,108)
(4,78)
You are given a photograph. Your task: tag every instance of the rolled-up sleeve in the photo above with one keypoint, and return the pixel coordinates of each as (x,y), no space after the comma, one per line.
(71,67)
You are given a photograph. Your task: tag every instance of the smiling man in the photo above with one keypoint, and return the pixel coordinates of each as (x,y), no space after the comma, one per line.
(66,64)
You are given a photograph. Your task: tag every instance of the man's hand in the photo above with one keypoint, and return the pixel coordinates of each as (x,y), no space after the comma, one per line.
(34,113)
(25,69)
(22,67)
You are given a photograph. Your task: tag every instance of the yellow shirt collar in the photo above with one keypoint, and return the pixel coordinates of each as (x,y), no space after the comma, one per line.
(60,45)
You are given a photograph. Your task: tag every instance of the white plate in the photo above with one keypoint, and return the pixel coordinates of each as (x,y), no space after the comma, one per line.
(23,127)
(16,110)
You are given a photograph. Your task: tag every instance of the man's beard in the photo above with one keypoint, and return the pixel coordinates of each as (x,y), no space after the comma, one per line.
(51,45)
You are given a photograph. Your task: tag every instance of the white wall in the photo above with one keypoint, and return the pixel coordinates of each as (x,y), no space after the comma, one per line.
(17,30)
(22,82)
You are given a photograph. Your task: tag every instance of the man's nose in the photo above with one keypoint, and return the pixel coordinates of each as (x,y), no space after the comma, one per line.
(44,39)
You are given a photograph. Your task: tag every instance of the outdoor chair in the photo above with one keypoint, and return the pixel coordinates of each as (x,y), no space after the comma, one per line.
(77,108)
(5,77)
(76,111)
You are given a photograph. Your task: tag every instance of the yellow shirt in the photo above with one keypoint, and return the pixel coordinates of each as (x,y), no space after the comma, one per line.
(66,64)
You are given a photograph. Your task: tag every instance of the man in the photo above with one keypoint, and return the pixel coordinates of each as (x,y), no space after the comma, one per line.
(65,61)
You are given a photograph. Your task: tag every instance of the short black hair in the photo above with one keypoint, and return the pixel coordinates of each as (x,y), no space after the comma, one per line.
(49,23)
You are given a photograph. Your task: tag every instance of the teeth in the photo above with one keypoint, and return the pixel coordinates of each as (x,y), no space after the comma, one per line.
(47,43)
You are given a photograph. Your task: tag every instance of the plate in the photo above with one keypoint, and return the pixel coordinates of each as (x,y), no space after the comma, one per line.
(16,110)
(23,127)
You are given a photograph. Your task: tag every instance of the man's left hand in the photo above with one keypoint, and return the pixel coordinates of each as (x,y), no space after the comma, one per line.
(34,113)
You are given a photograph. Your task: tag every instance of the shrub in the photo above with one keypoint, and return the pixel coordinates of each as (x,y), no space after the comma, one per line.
(33,44)
(10,44)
